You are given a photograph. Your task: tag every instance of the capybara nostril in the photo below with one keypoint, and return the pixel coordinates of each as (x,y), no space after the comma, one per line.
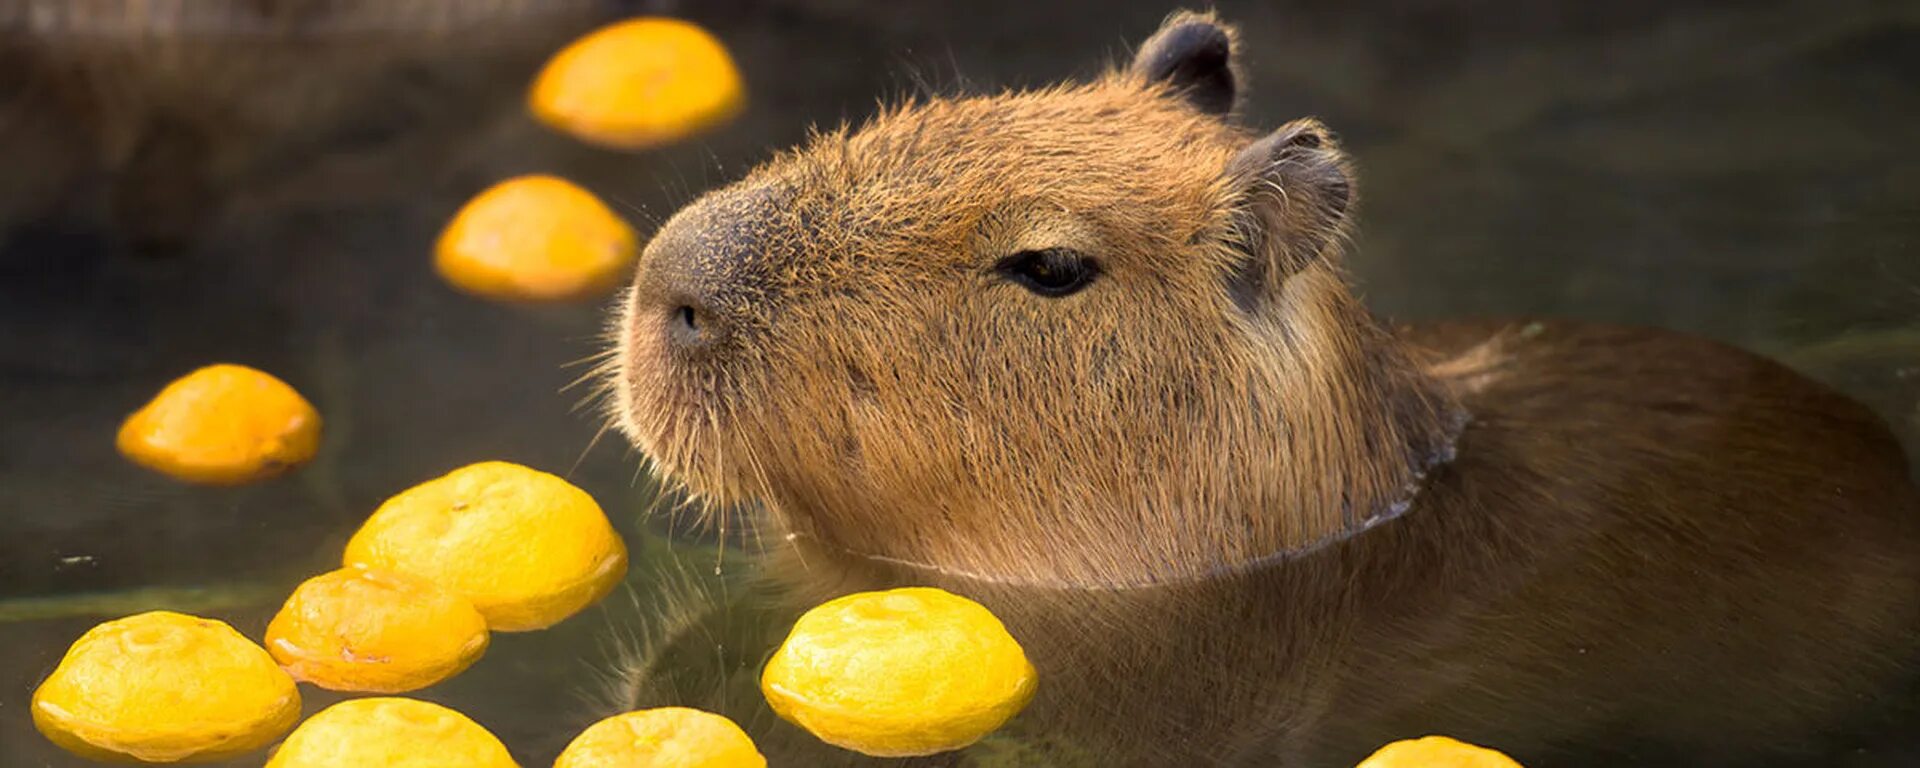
(680,304)
(692,327)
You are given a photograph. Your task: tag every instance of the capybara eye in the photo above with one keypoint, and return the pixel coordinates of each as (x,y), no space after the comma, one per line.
(1053,272)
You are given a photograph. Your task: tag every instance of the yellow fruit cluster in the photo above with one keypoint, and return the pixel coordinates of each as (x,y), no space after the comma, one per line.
(489,547)
(492,546)
(631,85)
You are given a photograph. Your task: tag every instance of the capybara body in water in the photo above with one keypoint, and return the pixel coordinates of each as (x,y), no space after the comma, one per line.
(1086,354)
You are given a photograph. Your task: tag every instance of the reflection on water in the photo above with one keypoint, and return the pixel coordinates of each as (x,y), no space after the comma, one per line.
(1744,171)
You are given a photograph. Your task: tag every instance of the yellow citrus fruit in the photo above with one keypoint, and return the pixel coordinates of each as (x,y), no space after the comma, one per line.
(528,549)
(1436,752)
(363,629)
(899,673)
(668,737)
(638,83)
(390,733)
(536,238)
(222,425)
(164,687)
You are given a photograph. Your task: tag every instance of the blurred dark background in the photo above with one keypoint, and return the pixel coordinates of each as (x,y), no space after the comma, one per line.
(261,182)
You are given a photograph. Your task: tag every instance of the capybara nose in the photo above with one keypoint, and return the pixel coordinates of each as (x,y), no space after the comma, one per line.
(702,277)
(707,281)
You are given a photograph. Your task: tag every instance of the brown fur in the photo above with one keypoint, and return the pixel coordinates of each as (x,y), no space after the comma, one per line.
(1258,528)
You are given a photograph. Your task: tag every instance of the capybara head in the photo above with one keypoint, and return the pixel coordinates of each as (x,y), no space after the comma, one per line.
(1089,334)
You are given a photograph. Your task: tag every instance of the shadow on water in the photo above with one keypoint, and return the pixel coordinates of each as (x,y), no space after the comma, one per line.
(266,192)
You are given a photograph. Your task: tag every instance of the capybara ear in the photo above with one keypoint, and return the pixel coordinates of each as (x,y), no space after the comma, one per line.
(1197,57)
(1293,191)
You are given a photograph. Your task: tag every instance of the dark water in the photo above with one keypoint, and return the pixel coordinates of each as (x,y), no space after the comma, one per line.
(1742,170)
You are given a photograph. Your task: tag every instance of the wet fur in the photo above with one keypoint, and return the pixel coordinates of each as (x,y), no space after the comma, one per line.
(1235,519)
